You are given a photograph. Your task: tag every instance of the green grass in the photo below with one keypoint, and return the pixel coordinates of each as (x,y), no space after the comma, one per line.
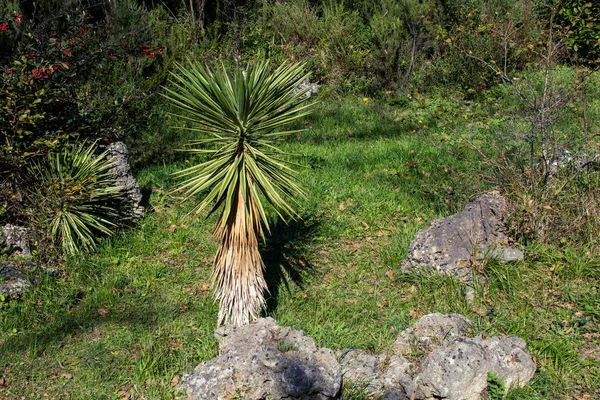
(138,314)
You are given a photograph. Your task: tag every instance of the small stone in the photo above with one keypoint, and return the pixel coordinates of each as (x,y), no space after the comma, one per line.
(119,155)
(17,238)
(454,372)
(431,331)
(13,281)
(507,254)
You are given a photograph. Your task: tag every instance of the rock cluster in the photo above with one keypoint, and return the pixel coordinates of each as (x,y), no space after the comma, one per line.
(434,359)
(449,245)
(445,363)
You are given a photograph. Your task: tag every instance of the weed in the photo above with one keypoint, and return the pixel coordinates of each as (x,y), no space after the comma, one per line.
(495,388)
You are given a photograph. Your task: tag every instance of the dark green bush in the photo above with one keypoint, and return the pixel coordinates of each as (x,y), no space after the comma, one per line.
(88,81)
(580,22)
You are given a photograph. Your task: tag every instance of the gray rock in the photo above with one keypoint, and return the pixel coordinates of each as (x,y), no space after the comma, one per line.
(449,244)
(431,331)
(457,371)
(381,376)
(17,238)
(396,379)
(452,366)
(265,361)
(561,159)
(314,89)
(447,363)
(360,366)
(119,155)
(506,254)
(12,281)
(509,360)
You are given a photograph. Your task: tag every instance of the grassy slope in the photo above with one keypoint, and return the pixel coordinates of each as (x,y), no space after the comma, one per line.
(131,319)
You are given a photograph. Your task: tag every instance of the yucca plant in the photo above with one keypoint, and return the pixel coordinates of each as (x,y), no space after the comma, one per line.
(238,117)
(78,197)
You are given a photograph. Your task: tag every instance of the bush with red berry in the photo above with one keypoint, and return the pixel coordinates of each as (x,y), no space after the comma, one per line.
(86,81)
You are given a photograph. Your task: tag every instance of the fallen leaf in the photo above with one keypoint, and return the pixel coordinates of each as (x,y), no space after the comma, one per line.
(364,224)
(390,274)
(67,376)
(3,382)
(124,395)
(172,227)
(175,380)
(103,312)
(204,287)
(342,207)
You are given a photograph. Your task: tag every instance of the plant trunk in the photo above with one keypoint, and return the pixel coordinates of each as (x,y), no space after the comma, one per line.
(238,267)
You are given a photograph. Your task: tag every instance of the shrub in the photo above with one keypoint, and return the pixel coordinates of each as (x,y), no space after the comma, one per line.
(580,20)
(544,155)
(76,198)
(465,32)
(240,117)
(400,39)
(87,81)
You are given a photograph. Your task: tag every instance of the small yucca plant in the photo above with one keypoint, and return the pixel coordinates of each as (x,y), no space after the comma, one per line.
(78,197)
(239,117)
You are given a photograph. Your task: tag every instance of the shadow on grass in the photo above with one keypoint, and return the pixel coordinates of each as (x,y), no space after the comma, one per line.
(80,312)
(351,121)
(285,258)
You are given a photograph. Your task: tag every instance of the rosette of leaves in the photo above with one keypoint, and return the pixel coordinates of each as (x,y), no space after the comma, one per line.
(78,198)
(239,117)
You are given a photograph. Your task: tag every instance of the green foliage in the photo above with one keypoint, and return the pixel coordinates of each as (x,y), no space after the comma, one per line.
(543,160)
(77,198)
(401,38)
(239,118)
(89,79)
(242,115)
(581,20)
(286,347)
(495,388)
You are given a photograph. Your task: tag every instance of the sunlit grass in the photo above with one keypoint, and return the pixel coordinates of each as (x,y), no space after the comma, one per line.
(137,315)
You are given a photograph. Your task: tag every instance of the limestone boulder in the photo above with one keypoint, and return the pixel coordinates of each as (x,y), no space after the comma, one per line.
(266,361)
(449,245)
